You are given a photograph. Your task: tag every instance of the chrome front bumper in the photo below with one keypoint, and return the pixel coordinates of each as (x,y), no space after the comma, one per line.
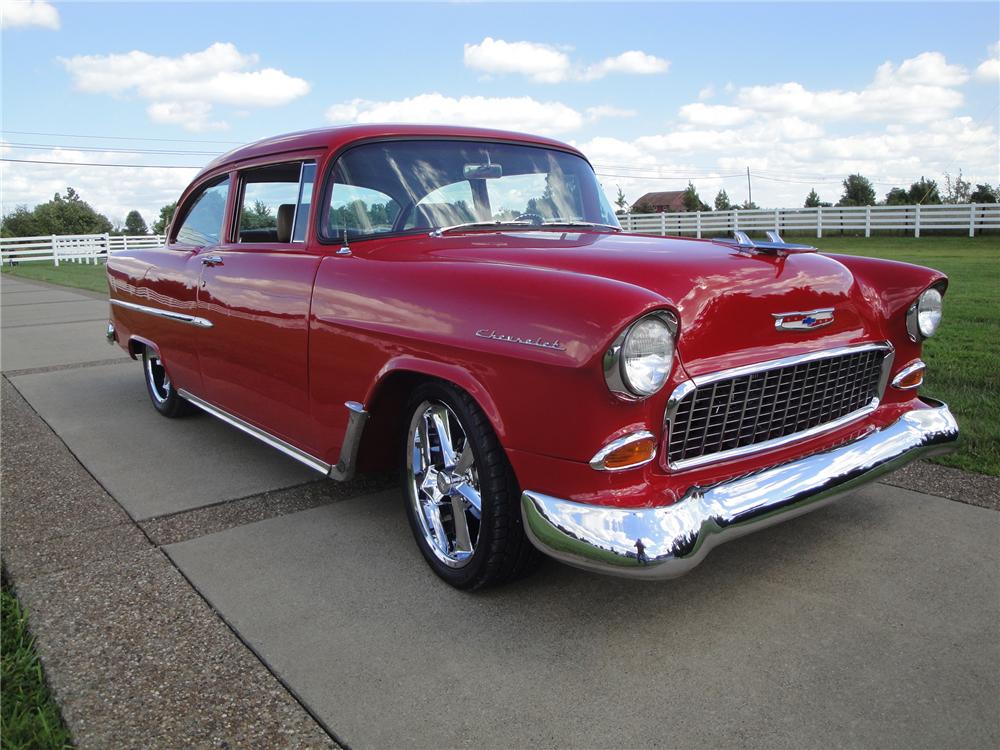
(674,539)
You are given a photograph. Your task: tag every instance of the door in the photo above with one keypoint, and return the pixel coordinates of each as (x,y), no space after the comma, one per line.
(256,289)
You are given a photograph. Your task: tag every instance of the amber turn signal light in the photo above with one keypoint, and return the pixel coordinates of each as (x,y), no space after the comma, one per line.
(629,452)
(910,377)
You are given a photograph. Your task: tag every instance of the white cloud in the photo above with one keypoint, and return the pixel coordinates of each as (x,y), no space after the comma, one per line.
(634,62)
(183,89)
(920,89)
(15,13)
(706,93)
(540,62)
(508,113)
(544,63)
(989,69)
(718,115)
(112,191)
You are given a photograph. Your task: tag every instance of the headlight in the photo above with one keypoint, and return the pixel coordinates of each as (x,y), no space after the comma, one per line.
(924,315)
(638,364)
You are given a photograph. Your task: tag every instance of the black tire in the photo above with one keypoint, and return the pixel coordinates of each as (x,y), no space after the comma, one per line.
(162,393)
(502,552)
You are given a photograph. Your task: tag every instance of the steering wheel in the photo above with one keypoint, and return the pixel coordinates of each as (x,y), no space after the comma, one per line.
(536,219)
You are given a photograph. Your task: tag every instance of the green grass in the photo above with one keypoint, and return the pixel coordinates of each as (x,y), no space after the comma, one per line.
(76,275)
(963,360)
(29,717)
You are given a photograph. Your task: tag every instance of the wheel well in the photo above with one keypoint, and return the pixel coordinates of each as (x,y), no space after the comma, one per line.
(381,437)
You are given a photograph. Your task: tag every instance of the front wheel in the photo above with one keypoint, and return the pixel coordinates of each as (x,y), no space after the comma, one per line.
(462,499)
(162,393)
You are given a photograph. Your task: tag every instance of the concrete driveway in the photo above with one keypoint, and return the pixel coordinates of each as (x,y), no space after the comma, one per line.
(872,623)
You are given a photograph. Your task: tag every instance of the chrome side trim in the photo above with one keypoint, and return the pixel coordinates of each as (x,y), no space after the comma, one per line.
(597,462)
(906,372)
(665,542)
(168,314)
(265,437)
(347,464)
(685,388)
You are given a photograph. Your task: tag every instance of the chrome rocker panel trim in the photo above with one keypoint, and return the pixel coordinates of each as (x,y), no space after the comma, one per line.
(342,471)
(191,320)
(676,538)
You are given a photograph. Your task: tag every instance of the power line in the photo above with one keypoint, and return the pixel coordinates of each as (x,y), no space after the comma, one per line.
(121,138)
(98,164)
(11,144)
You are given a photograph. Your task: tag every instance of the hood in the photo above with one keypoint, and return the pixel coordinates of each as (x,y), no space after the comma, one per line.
(727,299)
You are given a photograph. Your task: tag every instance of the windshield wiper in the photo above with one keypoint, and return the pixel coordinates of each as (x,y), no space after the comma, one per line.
(574,223)
(440,232)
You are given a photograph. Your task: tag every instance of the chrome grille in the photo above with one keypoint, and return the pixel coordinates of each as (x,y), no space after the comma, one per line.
(755,408)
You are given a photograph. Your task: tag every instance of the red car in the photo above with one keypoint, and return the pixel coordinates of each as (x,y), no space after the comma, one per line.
(463,304)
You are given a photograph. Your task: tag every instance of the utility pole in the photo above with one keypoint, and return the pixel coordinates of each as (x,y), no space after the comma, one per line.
(749,191)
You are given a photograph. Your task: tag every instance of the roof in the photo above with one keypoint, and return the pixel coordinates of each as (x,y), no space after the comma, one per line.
(336,137)
(670,199)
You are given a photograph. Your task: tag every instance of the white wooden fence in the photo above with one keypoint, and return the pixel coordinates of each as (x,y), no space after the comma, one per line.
(971,218)
(964,217)
(76,248)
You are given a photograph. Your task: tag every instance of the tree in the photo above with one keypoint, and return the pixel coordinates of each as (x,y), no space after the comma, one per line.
(747,206)
(924,191)
(692,201)
(64,214)
(135,224)
(858,191)
(621,201)
(258,216)
(985,194)
(166,214)
(722,202)
(957,190)
(812,200)
(897,197)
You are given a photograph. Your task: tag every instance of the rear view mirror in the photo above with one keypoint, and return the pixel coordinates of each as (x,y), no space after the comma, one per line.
(482,171)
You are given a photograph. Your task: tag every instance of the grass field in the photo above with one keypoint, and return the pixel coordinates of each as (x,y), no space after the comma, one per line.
(76,275)
(29,717)
(963,359)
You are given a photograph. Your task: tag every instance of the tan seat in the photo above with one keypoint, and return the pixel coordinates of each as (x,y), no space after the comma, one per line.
(286,214)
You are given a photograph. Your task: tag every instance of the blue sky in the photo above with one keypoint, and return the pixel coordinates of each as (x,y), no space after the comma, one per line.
(656,94)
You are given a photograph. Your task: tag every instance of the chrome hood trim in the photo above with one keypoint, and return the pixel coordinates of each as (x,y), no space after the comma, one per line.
(669,541)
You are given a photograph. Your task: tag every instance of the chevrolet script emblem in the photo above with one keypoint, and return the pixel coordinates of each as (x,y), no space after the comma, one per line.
(803,321)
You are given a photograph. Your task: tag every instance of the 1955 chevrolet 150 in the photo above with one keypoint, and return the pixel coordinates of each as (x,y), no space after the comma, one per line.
(463,304)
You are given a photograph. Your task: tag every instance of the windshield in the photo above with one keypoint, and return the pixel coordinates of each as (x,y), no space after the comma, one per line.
(398,186)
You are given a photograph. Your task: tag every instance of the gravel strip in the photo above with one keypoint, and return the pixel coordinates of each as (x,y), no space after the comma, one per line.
(945,481)
(179,527)
(74,366)
(134,655)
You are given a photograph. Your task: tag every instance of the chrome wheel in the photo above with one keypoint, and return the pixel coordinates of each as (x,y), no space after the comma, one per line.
(157,378)
(443,483)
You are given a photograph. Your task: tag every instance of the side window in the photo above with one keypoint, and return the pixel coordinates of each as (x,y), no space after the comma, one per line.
(274,202)
(360,210)
(202,223)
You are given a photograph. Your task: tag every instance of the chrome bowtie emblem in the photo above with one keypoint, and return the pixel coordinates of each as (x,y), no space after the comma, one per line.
(803,321)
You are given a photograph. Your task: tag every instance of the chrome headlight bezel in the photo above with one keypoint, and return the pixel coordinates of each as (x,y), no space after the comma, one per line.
(921,321)
(615,370)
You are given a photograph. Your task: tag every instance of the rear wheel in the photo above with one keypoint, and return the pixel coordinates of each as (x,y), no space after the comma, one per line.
(162,393)
(461,496)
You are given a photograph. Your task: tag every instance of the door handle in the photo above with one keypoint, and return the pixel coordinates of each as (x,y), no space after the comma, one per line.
(211,260)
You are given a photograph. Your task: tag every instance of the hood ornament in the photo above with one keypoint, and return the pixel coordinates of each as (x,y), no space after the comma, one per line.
(491,333)
(803,321)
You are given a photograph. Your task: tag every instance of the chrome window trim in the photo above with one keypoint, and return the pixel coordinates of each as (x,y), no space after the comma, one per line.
(684,389)
(906,372)
(192,320)
(597,462)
